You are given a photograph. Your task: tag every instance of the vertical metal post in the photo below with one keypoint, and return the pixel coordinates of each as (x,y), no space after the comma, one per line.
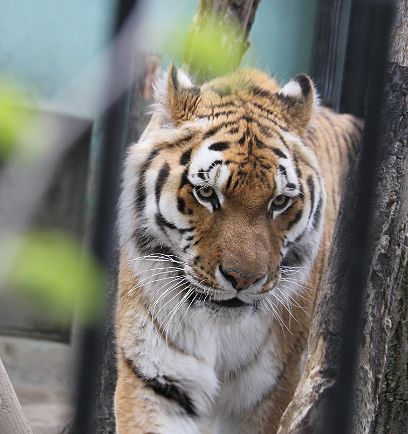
(329,51)
(102,238)
(338,414)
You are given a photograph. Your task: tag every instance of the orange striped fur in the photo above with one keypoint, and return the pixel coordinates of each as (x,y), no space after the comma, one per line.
(229,202)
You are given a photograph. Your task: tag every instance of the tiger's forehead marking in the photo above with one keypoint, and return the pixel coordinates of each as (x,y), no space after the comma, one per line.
(208,165)
(238,163)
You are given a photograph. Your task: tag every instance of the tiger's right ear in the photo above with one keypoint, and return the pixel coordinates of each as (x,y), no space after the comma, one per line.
(176,97)
(299,99)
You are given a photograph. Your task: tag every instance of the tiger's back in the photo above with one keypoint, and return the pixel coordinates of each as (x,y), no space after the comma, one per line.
(228,205)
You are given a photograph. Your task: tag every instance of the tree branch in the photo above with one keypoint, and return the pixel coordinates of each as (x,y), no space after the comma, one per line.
(12,418)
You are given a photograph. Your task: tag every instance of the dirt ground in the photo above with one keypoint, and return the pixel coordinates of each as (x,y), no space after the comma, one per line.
(42,375)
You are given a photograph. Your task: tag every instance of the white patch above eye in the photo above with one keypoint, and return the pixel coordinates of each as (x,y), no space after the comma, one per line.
(292,88)
(208,168)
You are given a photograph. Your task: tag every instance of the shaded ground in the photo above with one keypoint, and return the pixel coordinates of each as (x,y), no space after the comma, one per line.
(42,375)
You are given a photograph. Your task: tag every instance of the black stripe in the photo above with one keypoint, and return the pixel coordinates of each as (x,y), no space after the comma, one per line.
(272,119)
(217,128)
(282,169)
(293,258)
(183,141)
(222,105)
(216,115)
(318,213)
(160,181)
(181,206)
(228,183)
(215,163)
(166,387)
(283,141)
(147,244)
(184,179)
(219,146)
(141,189)
(295,220)
(162,222)
(174,78)
(259,144)
(297,169)
(233,130)
(279,153)
(144,242)
(185,157)
(260,91)
(311,188)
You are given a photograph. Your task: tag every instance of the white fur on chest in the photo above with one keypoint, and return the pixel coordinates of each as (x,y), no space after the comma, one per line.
(226,361)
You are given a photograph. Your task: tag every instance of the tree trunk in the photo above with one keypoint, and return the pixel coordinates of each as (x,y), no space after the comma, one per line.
(12,418)
(381,397)
(392,409)
(231,14)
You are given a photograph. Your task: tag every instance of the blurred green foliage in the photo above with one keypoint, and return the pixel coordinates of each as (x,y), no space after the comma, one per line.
(14,117)
(204,46)
(51,268)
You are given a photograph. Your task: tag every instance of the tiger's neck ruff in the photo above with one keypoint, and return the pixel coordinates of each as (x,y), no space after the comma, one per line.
(221,221)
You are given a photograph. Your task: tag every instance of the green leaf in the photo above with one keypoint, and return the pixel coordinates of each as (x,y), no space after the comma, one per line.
(13,117)
(52,269)
(204,46)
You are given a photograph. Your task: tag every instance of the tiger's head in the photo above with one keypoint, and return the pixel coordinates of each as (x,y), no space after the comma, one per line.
(223,186)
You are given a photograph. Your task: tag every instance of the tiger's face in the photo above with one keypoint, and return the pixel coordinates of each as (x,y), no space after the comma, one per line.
(223,185)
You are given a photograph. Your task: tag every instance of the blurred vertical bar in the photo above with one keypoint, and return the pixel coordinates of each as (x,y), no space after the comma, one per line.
(329,50)
(340,406)
(101,225)
(357,63)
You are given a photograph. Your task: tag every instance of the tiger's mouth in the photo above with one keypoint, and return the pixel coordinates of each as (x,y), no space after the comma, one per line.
(232,303)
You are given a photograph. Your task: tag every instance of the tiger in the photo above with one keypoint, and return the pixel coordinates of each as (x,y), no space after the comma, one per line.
(228,205)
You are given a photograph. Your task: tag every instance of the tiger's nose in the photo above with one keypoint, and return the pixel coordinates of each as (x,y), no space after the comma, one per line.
(240,281)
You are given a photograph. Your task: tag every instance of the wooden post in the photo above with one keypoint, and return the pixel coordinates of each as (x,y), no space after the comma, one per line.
(12,418)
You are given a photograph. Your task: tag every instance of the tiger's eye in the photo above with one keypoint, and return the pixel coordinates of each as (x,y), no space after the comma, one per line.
(205,193)
(280,203)
(280,200)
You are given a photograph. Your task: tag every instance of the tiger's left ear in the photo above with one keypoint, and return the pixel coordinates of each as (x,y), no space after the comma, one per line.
(176,96)
(300,99)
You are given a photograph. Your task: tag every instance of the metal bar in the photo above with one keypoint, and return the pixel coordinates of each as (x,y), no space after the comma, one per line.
(329,50)
(102,239)
(340,405)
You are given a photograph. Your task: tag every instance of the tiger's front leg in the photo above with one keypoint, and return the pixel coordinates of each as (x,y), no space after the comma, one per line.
(147,406)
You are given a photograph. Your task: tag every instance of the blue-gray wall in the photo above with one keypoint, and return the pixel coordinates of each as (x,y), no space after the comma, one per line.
(45,43)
